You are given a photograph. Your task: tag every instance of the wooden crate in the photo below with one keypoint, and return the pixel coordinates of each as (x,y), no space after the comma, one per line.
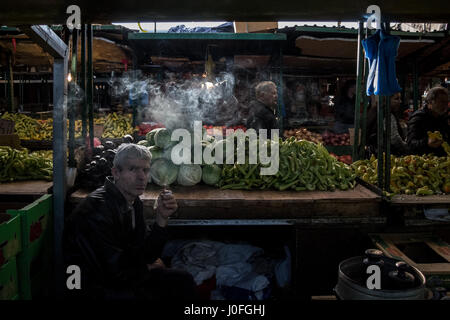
(426,252)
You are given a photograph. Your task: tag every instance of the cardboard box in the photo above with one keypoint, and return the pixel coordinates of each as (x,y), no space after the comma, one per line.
(98,130)
(246,27)
(426,252)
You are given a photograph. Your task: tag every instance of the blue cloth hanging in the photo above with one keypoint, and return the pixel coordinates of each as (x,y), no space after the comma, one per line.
(381,51)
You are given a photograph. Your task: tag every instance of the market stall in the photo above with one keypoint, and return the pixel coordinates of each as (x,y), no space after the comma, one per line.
(358,205)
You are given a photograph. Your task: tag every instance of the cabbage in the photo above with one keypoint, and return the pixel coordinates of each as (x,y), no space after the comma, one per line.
(163,172)
(211,174)
(144,143)
(167,153)
(156,152)
(150,136)
(162,138)
(189,174)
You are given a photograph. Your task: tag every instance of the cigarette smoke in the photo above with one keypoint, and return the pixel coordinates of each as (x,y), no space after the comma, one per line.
(177,104)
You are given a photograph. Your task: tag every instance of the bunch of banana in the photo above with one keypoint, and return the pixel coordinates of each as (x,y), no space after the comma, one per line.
(46,154)
(99,120)
(26,127)
(21,165)
(116,126)
(46,130)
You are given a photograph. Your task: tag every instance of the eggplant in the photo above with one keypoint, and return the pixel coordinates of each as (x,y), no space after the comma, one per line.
(98,150)
(102,162)
(110,154)
(109,145)
(128,139)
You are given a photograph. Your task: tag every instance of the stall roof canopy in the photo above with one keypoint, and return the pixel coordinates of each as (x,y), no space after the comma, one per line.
(105,11)
(309,50)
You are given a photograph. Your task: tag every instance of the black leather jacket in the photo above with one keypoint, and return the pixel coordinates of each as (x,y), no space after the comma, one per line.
(100,239)
(261,117)
(420,122)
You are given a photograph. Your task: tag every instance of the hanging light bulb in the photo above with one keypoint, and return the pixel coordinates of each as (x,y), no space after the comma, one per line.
(69,77)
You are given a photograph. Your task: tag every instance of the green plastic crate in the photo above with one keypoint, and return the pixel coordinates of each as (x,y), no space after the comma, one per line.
(10,237)
(36,219)
(9,287)
(37,227)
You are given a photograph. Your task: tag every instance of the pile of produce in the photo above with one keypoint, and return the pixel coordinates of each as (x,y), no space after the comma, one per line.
(345,158)
(303,134)
(29,128)
(117,126)
(222,130)
(22,165)
(438,137)
(99,166)
(412,174)
(304,165)
(333,139)
(164,172)
(26,127)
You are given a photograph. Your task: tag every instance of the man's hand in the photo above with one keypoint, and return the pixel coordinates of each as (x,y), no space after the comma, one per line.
(157,264)
(166,206)
(434,143)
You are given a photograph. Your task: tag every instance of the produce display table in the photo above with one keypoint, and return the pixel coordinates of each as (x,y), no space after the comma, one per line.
(25,188)
(17,194)
(203,202)
(420,200)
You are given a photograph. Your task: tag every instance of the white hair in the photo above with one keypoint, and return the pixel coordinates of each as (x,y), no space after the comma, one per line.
(130,151)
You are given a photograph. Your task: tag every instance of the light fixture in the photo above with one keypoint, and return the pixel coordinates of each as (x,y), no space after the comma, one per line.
(69,77)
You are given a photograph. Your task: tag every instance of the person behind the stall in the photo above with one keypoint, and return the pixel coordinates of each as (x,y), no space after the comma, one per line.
(398,138)
(345,108)
(262,110)
(432,117)
(107,238)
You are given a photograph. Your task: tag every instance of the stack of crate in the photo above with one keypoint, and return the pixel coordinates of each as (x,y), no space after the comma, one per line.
(34,258)
(10,247)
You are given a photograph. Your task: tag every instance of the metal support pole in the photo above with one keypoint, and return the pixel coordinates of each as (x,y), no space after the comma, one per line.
(415,85)
(72,100)
(59,164)
(281,108)
(83,84)
(10,78)
(359,72)
(90,86)
(387,144)
(387,164)
(380,148)
(364,115)
(134,103)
